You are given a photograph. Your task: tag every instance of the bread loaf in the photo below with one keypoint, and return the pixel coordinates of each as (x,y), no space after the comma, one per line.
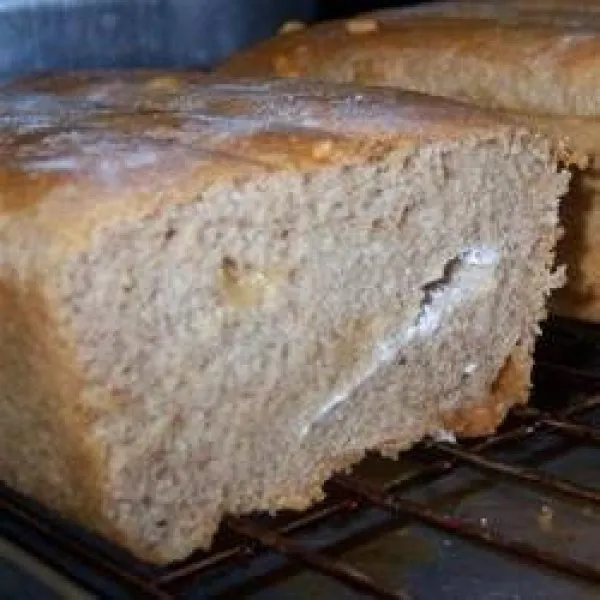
(539,74)
(213,297)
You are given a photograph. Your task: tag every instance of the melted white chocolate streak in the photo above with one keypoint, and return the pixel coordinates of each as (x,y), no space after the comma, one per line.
(474,276)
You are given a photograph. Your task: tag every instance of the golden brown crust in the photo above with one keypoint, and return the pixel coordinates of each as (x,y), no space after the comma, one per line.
(579,249)
(510,388)
(560,64)
(37,371)
(78,158)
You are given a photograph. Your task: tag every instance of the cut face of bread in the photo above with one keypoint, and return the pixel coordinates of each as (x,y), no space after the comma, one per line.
(211,304)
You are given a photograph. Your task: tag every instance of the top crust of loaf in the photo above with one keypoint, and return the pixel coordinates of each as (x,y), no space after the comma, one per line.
(519,66)
(76,160)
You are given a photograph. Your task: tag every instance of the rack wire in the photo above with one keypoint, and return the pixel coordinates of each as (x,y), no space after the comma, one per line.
(567,391)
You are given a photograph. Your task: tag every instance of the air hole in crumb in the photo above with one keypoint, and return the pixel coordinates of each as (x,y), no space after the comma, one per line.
(170,233)
(285,234)
(161,523)
(450,268)
(400,360)
(161,473)
(377,224)
(229,264)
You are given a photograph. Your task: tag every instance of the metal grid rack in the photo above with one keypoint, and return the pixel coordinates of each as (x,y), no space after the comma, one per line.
(565,414)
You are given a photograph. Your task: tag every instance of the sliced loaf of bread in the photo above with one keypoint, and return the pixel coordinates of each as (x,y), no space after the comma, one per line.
(215,294)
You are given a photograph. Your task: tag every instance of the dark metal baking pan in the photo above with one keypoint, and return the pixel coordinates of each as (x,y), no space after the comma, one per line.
(48,35)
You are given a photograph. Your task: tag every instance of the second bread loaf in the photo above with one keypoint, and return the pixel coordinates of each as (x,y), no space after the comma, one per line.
(539,74)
